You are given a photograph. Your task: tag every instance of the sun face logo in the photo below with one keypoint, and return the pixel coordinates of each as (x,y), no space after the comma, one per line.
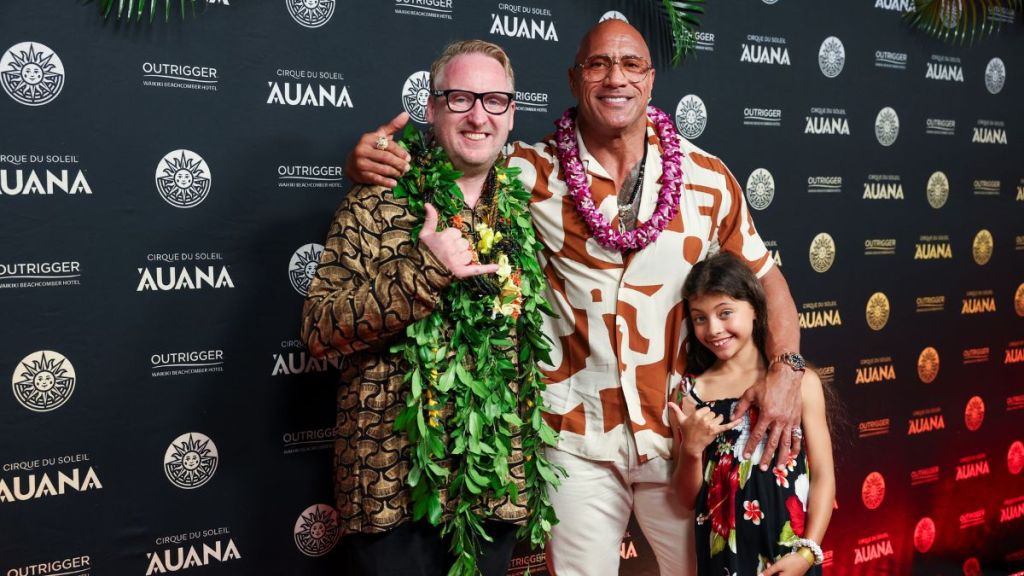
(760,189)
(311,13)
(974,413)
(316,530)
(1015,457)
(691,116)
(823,252)
(831,57)
(928,365)
(924,534)
(982,247)
(183,178)
(1018,301)
(302,266)
(877,312)
(613,15)
(995,75)
(416,94)
(872,491)
(31,73)
(191,460)
(938,190)
(887,126)
(43,381)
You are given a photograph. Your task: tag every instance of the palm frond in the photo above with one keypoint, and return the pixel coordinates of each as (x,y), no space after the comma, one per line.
(130,10)
(684,20)
(960,21)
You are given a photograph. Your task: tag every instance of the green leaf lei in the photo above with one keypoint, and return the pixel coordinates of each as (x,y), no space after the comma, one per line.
(461,356)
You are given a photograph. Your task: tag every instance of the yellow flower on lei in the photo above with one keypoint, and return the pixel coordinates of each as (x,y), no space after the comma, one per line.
(504,268)
(488,238)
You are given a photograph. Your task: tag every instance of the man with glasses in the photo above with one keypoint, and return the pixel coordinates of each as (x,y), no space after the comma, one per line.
(374,281)
(624,208)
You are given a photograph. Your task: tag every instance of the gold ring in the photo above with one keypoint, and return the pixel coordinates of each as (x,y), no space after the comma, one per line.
(382,143)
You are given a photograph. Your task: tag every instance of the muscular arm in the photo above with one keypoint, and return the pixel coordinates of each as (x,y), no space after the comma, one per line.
(778,397)
(372,281)
(783,323)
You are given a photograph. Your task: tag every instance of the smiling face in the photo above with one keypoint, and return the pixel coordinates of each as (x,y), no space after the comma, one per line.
(612,105)
(32,74)
(474,138)
(723,325)
(183,178)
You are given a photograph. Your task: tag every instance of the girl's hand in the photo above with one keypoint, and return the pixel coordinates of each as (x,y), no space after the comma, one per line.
(693,433)
(788,565)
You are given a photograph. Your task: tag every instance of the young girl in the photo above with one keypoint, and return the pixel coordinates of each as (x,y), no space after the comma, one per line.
(749,521)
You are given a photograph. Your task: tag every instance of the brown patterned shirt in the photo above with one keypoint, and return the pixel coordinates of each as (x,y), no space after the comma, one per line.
(373,282)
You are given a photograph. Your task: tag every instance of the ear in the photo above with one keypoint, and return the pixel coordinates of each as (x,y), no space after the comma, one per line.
(430,109)
(511,115)
(572,82)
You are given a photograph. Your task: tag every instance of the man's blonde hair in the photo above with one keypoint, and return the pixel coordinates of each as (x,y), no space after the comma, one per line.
(460,47)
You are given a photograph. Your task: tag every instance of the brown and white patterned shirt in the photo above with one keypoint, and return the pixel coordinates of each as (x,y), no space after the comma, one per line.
(619,340)
(372,282)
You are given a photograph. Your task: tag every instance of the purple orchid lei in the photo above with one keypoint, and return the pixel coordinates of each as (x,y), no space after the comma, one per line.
(576,180)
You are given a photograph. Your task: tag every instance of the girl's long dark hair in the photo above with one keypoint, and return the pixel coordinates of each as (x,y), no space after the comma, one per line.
(724,274)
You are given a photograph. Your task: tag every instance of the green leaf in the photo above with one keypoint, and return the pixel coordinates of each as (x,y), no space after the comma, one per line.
(546,473)
(732,540)
(787,534)
(421,425)
(417,383)
(548,435)
(745,468)
(414,476)
(512,419)
(434,506)
(717,543)
(475,425)
(471,486)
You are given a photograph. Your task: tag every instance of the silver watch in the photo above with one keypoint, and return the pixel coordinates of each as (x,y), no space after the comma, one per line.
(792,359)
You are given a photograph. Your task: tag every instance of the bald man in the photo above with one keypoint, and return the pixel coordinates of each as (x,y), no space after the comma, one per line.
(620,335)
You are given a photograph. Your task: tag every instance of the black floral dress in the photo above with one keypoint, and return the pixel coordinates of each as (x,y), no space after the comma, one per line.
(744,516)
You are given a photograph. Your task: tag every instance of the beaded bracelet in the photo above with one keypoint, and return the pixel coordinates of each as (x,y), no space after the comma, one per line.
(811,545)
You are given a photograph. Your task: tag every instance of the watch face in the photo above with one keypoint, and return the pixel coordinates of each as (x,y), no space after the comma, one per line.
(794,360)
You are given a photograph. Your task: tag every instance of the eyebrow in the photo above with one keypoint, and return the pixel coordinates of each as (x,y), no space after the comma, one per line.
(605,55)
(717,306)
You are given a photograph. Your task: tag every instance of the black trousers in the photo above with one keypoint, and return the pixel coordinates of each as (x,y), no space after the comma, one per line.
(417,549)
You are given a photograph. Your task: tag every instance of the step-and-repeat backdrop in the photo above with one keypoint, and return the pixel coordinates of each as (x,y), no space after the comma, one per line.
(166,190)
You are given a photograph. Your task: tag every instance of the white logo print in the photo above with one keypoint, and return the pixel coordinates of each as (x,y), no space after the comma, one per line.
(311,13)
(302,266)
(191,460)
(316,530)
(415,94)
(831,57)
(691,116)
(183,178)
(43,381)
(995,75)
(31,73)
(760,189)
(613,15)
(887,126)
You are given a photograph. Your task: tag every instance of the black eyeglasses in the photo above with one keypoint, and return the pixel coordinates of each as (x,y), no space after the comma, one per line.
(463,100)
(597,68)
